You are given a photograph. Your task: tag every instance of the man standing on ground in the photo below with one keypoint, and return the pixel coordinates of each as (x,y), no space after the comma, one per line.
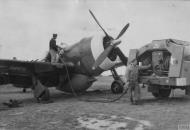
(53,49)
(132,81)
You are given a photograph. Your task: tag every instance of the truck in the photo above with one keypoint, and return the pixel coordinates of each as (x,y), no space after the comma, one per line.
(170,66)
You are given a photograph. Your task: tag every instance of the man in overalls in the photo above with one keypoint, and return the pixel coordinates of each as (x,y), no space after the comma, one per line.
(132,81)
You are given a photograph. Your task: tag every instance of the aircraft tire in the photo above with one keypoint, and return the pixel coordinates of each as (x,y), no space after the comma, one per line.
(117,87)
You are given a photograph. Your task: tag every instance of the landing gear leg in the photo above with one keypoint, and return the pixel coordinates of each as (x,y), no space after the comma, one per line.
(117,85)
(41,93)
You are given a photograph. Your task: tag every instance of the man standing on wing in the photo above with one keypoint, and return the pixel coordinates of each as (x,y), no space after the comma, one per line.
(53,49)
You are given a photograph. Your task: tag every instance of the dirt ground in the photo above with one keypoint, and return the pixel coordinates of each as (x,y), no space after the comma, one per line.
(68,112)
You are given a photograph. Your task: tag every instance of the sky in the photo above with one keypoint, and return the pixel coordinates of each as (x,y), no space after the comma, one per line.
(26,26)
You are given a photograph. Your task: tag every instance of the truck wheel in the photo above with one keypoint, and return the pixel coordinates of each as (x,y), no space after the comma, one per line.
(117,87)
(163,93)
(156,95)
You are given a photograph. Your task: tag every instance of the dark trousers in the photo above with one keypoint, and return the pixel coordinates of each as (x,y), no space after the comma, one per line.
(134,91)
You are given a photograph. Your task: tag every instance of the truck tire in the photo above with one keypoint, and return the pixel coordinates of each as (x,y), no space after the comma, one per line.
(156,95)
(163,93)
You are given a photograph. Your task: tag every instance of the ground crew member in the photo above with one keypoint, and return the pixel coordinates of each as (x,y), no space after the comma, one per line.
(132,81)
(53,49)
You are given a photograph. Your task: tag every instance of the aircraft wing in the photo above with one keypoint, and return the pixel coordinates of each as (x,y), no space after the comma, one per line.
(31,66)
(17,71)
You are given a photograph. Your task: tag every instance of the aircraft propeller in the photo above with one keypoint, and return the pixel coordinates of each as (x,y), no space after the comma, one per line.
(113,43)
(98,23)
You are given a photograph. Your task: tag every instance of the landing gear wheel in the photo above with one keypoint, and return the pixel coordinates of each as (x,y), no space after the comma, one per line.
(117,87)
(163,93)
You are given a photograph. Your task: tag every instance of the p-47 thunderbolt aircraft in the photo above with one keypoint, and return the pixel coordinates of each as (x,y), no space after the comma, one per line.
(74,72)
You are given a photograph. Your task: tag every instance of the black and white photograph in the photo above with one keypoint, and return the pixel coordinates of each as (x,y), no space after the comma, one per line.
(94,65)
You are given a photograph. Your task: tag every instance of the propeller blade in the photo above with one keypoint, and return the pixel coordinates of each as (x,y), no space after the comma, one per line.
(98,23)
(105,53)
(123,31)
(102,57)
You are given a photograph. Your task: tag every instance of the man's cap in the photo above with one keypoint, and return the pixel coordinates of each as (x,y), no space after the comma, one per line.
(54,35)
